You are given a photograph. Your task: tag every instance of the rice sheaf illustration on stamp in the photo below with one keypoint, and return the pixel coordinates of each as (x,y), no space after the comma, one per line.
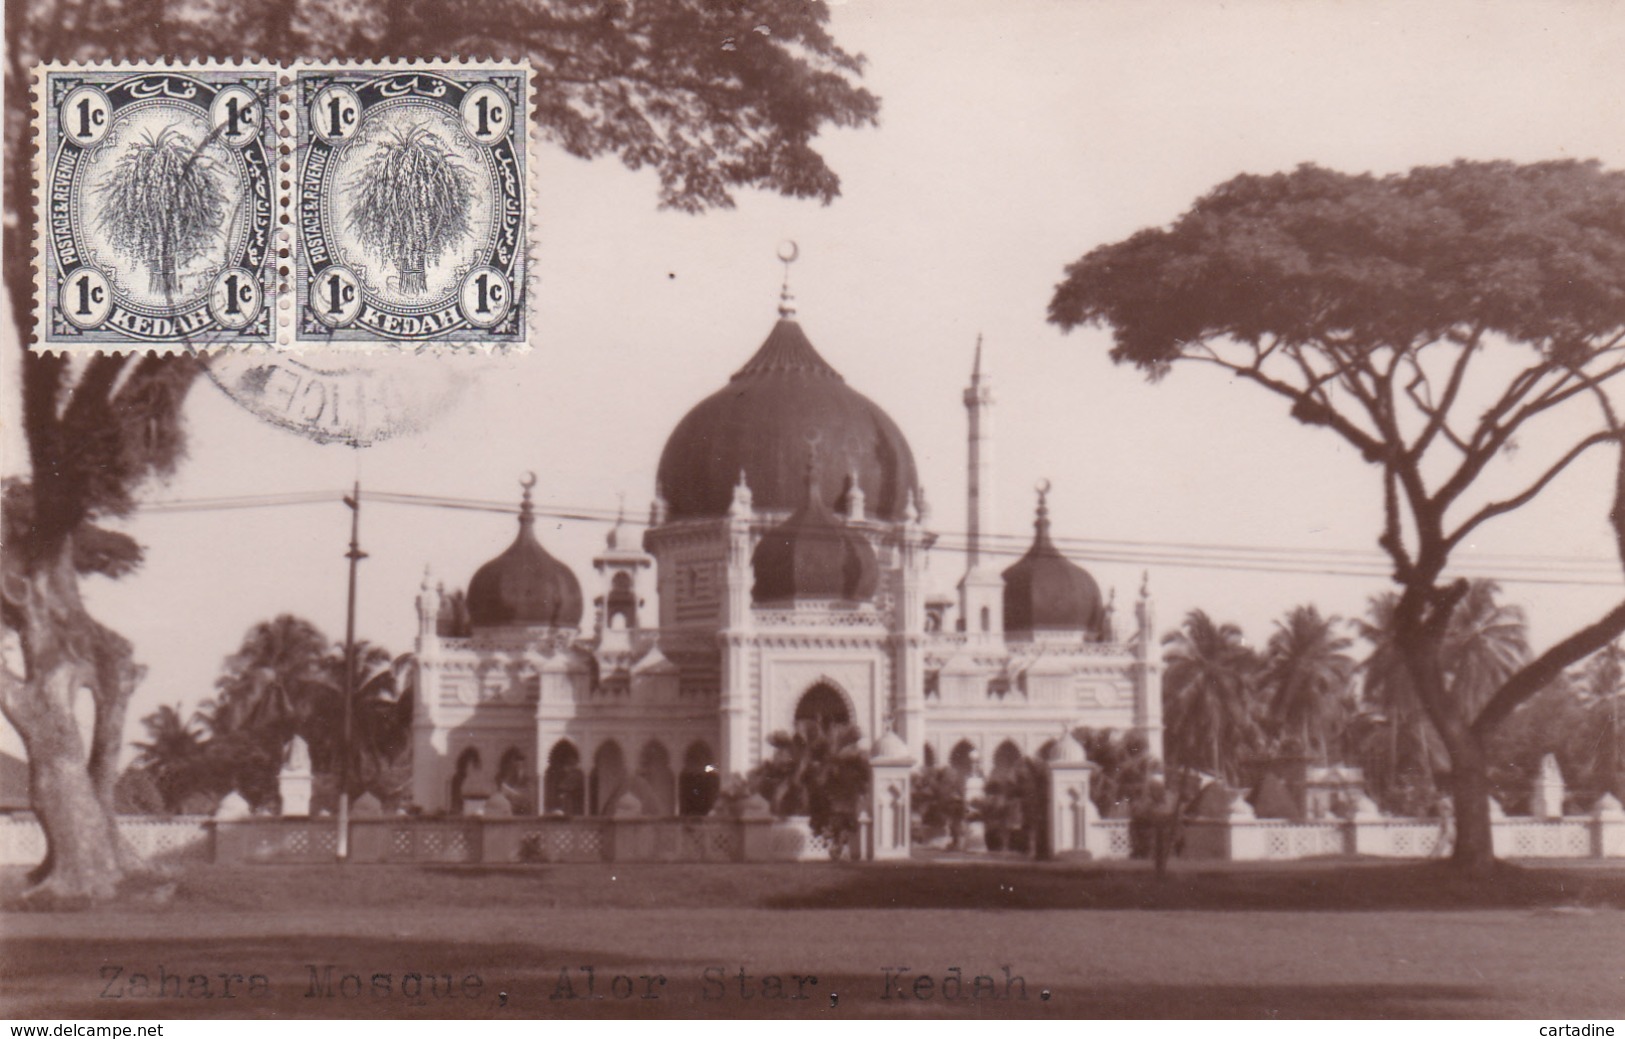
(160,207)
(411,204)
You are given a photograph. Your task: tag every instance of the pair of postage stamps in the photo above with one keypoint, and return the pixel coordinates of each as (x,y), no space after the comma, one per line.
(199,207)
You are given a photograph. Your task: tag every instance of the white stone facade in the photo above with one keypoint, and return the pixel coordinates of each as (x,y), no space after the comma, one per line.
(654,715)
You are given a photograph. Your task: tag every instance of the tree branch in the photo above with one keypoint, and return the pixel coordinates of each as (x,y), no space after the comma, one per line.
(1439,412)
(1529,493)
(1536,674)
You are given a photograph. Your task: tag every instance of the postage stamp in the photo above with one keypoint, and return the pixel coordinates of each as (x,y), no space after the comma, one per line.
(411,199)
(160,208)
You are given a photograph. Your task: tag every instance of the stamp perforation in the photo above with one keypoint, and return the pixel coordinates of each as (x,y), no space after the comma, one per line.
(278,269)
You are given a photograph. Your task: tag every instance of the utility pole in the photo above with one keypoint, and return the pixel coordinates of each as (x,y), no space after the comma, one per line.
(355,556)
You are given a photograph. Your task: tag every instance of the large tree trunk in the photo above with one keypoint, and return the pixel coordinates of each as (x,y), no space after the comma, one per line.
(67,653)
(1470,793)
(1420,648)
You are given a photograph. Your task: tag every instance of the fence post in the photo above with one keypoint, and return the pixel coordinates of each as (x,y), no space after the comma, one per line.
(1608,828)
(889,802)
(1072,815)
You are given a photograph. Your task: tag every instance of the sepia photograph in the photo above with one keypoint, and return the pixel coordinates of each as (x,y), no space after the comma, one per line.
(784,510)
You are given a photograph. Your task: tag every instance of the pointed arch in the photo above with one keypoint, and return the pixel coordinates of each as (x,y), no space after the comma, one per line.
(608,776)
(962,758)
(823,703)
(514,781)
(700,782)
(465,776)
(1007,759)
(564,784)
(654,784)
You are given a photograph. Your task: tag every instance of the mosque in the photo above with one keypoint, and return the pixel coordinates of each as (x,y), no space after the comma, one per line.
(787,546)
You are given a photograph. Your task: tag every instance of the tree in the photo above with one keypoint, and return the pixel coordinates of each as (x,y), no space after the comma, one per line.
(273,680)
(938,796)
(163,205)
(171,754)
(380,722)
(1306,675)
(1014,808)
(1123,767)
(1209,682)
(1599,686)
(713,97)
(821,771)
(1398,752)
(1434,321)
(1485,641)
(412,200)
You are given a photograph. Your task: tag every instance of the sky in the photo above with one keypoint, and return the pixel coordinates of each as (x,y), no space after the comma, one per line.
(1013,138)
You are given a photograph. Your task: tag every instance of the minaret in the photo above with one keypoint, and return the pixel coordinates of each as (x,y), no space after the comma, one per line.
(981,592)
(619,598)
(1148,670)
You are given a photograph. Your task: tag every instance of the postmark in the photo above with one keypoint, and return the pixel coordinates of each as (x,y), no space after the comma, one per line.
(159,208)
(411,201)
(356,399)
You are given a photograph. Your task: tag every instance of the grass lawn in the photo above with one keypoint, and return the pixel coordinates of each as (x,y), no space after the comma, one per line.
(1339,938)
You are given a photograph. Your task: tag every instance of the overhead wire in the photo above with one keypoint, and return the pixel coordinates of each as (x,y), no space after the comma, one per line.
(1520,568)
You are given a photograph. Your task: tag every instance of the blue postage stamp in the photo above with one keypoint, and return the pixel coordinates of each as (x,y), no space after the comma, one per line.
(411,203)
(158,210)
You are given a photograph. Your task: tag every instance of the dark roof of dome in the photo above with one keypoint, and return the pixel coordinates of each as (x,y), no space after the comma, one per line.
(1045,591)
(524,586)
(813,555)
(761,423)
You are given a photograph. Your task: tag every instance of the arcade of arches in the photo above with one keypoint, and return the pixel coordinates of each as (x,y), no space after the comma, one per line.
(784,578)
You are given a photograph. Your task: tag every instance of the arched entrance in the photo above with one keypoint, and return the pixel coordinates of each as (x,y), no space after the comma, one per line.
(513,780)
(700,781)
(1006,763)
(608,776)
(465,779)
(564,785)
(655,784)
(962,758)
(822,706)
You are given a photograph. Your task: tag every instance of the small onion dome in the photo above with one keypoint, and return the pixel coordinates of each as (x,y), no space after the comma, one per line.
(813,555)
(1045,592)
(524,586)
(1068,751)
(759,424)
(888,747)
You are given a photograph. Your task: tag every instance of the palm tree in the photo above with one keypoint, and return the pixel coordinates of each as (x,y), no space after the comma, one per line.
(1208,689)
(271,681)
(1485,643)
(1599,685)
(380,719)
(820,770)
(1306,673)
(1123,766)
(172,754)
(937,793)
(1401,753)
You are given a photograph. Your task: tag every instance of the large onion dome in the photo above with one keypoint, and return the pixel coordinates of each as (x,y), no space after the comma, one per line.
(761,422)
(524,586)
(1047,593)
(813,555)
